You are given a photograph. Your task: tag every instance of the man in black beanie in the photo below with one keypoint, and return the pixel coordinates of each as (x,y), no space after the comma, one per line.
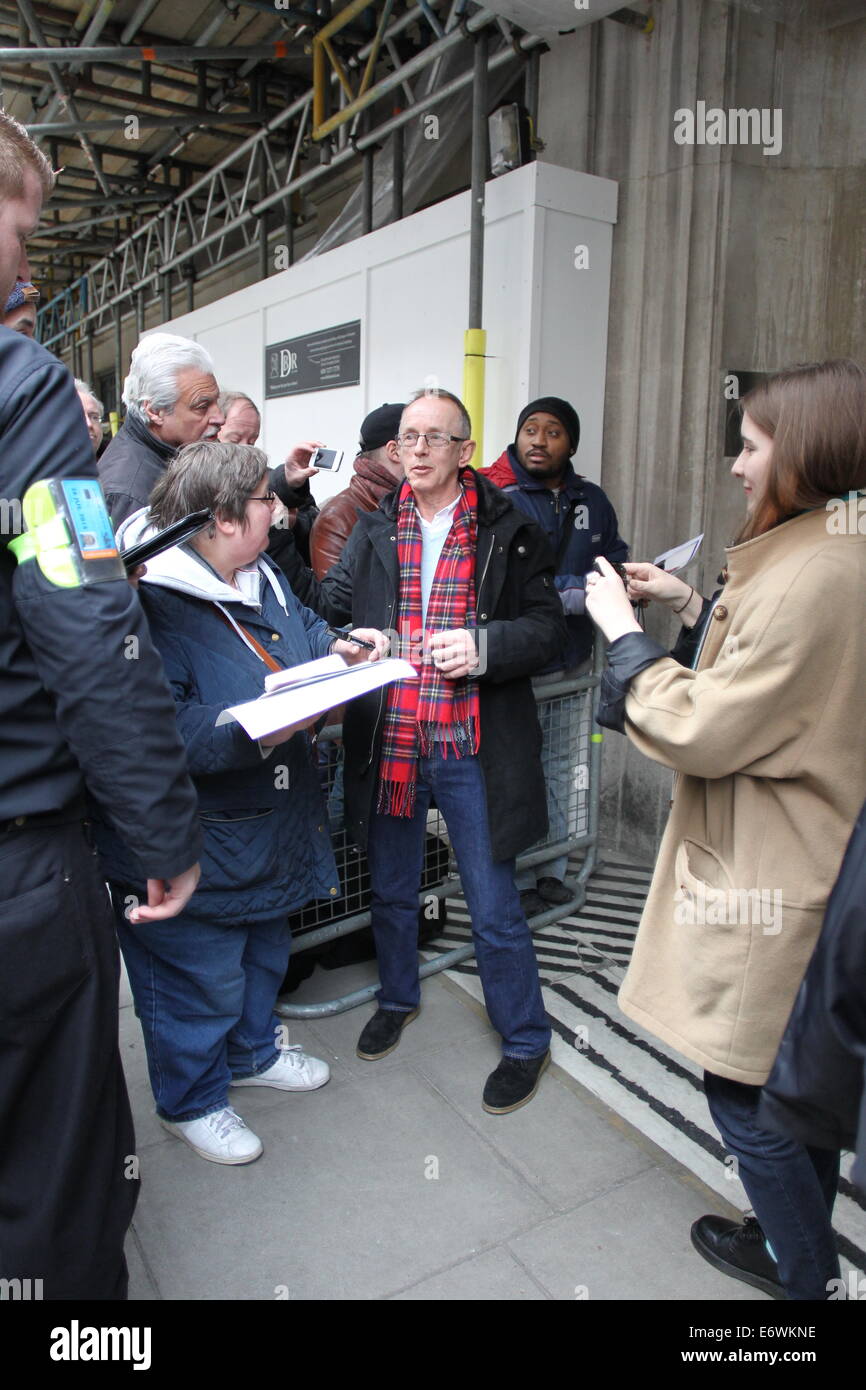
(537,473)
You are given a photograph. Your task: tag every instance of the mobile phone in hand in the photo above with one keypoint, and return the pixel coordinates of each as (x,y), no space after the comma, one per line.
(327,458)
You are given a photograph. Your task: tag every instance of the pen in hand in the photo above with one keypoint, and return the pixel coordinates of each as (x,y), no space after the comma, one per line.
(348,637)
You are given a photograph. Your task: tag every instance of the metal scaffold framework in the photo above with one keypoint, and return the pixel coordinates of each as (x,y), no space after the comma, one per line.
(228,213)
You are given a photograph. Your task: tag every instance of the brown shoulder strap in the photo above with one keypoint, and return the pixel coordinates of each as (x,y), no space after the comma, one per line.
(256,646)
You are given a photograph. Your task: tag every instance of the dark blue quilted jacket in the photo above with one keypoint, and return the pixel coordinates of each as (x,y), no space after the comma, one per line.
(266,841)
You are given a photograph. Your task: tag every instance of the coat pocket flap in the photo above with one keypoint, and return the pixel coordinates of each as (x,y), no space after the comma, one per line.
(696,864)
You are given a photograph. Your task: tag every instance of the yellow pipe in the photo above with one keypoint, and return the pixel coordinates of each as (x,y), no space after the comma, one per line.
(114,422)
(323,128)
(374,51)
(340,20)
(474,349)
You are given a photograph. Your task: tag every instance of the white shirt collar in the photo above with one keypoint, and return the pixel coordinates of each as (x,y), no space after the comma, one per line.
(443,514)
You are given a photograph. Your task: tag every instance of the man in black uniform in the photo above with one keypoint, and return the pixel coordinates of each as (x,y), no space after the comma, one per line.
(83,700)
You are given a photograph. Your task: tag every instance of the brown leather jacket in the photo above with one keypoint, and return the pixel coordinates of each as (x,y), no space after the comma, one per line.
(333,526)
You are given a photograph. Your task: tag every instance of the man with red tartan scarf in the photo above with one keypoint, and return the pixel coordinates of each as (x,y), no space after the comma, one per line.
(466,583)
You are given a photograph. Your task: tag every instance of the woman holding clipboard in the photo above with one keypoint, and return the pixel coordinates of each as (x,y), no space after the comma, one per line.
(223,617)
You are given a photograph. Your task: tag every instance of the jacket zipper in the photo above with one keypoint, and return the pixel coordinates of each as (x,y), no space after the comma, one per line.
(484,574)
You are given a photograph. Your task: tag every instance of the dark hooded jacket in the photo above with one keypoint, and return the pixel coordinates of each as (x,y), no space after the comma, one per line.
(580,525)
(519,630)
(817,1089)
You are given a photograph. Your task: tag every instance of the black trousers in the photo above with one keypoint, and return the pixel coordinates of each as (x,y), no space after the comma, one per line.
(68,1173)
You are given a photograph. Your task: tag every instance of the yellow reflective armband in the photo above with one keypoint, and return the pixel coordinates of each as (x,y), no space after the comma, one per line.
(69,533)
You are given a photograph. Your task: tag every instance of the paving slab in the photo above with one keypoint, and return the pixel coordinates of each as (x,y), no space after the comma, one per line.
(565,1151)
(392,1182)
(444,1018)
(493,1277)
(362,1190)
(629,1244)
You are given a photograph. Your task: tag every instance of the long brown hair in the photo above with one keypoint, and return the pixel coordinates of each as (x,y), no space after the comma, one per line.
(815,415)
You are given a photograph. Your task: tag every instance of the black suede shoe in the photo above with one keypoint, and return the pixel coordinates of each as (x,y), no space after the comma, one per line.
(532,903)
(554,892)
(739,1251)
(513,1083)
(382,1033)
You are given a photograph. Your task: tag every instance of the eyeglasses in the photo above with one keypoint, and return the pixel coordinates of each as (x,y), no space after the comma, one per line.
(435,439)
(94,418)
(269,497)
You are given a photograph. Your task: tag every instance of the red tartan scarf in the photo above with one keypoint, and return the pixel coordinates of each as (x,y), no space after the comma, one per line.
(433,708)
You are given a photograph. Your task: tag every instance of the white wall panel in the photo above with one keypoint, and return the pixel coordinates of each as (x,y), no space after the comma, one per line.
(408,283)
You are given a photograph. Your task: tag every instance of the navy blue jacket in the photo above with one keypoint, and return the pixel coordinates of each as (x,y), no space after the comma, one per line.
(267,847)
(580,524)
(74,708)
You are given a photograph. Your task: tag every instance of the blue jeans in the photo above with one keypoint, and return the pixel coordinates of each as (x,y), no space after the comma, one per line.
(503,944)
(791,1188)
(205,998)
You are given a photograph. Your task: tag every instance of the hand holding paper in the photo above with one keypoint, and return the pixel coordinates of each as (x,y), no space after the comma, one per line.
(647,581)
(294,698)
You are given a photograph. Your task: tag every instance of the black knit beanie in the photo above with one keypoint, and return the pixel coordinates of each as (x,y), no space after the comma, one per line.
(381,425)
(553,405)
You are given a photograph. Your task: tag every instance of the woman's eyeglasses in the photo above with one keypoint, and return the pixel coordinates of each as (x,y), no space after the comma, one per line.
(269,497)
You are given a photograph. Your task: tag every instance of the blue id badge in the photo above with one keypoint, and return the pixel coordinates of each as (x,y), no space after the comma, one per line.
(89,519)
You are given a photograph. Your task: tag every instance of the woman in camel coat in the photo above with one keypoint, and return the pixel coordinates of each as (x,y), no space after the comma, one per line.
(766,737)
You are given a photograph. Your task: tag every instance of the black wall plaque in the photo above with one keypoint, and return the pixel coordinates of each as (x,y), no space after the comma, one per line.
(315,362)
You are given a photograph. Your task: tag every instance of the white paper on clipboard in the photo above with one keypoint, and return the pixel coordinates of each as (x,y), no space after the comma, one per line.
(315,693)
(680,556)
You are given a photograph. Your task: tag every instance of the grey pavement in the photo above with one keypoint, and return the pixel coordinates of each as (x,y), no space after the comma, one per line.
(391,1182)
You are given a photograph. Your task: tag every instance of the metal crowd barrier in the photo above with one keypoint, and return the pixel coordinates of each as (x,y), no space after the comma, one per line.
(567,714)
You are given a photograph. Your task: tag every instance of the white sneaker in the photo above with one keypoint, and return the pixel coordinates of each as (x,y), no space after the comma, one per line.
(292,1071)
(221,1137)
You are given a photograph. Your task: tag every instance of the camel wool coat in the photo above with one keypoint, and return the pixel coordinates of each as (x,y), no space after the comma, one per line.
(768,740)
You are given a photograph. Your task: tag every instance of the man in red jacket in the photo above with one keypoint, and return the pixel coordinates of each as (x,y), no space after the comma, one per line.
(378,471)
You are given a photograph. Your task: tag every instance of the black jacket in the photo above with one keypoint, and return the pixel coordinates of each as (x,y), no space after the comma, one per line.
(131,467)
(286,544)
(817,1089)
(520,629)
(83,697)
